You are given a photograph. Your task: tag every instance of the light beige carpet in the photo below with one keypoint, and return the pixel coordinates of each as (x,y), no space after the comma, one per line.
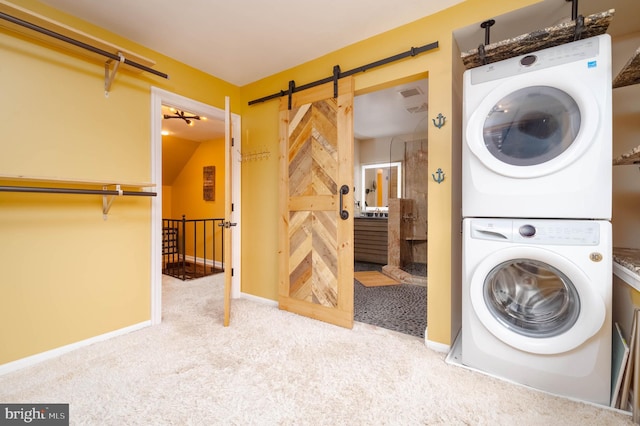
(272,367)
(374,279)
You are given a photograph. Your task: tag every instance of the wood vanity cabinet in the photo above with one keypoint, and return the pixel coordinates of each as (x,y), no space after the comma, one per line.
(370,240)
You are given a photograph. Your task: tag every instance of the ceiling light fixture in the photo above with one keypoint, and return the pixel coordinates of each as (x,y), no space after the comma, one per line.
(183,116)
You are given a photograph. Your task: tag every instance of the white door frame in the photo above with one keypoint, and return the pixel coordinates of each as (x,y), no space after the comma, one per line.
(159,97)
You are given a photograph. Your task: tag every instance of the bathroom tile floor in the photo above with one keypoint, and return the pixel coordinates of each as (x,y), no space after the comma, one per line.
(400,308)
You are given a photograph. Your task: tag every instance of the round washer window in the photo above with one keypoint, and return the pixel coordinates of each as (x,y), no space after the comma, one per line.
(531,126)
(531,298)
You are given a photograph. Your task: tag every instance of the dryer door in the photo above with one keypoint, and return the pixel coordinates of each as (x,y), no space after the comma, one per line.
(535,300)
(532,130)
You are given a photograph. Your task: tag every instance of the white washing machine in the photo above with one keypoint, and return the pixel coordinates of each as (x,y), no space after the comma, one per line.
(537,134)
(536,303)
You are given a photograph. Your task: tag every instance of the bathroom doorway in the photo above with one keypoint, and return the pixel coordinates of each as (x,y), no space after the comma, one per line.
(390,184)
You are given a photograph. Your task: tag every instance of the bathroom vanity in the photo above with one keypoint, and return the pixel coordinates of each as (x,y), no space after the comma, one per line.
(370,239)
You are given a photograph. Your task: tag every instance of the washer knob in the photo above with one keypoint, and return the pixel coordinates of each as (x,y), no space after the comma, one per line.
(527,231)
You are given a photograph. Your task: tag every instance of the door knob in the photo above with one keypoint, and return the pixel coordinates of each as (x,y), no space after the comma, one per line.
(226,224)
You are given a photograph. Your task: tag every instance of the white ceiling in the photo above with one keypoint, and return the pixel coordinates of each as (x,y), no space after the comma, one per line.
(202,130)
(390,112)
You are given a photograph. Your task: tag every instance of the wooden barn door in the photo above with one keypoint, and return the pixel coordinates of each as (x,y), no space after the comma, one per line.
(316,204)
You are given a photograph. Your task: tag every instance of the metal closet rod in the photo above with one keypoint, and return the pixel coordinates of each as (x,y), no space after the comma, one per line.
(78,43)
(75,191)
(337,74)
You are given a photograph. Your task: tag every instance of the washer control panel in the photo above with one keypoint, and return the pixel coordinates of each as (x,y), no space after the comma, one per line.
(537,231)
(527,230)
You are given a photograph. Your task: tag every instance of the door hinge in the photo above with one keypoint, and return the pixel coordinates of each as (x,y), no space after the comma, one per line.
(231,206)
(231,271)
(232,141)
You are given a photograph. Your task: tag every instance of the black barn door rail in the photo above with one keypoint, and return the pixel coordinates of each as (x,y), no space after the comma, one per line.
(337,74)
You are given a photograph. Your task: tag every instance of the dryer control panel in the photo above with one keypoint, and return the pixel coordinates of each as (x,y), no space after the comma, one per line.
(537,231)
(551,57)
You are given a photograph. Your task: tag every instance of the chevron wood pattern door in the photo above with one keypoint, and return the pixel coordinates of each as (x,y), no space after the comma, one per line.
(316,243)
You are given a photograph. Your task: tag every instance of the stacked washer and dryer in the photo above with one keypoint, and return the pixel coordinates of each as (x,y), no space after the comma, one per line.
(536,206)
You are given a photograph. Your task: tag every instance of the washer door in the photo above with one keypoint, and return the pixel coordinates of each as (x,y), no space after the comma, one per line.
(535,300)
(533,130)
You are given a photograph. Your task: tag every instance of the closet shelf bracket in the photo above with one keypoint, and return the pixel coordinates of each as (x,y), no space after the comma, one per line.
(110,75)
(107,200)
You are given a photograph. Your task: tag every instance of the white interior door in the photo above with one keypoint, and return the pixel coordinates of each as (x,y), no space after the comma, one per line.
(158,97)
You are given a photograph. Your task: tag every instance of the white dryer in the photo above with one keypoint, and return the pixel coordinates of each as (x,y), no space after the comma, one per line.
(537,134)
(536,303)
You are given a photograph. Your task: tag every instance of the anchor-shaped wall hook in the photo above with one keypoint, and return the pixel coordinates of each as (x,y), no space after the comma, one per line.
(440,174)
(441,119)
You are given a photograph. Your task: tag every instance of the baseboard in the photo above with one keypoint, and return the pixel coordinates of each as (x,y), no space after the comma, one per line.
(259,299)
(435,346)
(54,353)
(200,261)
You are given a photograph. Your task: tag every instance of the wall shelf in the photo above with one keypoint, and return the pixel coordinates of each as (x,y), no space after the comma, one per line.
(631,157)
(108,189)
(626,265)
(630,73)
(29,23)
(71,181)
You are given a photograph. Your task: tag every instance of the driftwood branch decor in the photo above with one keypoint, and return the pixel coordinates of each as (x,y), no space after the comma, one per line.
(594,25)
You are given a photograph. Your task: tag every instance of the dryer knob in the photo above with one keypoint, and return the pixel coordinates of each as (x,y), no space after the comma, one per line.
(528,60)
(527,230)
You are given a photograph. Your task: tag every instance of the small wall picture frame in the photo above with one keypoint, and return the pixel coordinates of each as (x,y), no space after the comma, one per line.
(209,183)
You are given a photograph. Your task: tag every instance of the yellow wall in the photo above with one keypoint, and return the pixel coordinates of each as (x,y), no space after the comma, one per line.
(187,188)
(67,274)
(260,129)
(166,202)
(187,196)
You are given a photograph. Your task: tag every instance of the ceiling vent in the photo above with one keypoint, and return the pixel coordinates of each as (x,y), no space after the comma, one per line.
(414,91)
(417,109)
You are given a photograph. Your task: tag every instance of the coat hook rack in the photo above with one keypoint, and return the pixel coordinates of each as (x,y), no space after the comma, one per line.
(254,155)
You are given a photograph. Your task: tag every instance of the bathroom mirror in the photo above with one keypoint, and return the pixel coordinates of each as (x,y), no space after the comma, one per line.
(380,182)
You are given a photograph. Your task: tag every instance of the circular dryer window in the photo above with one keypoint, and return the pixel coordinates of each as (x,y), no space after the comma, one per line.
(531,126)
(531,298)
